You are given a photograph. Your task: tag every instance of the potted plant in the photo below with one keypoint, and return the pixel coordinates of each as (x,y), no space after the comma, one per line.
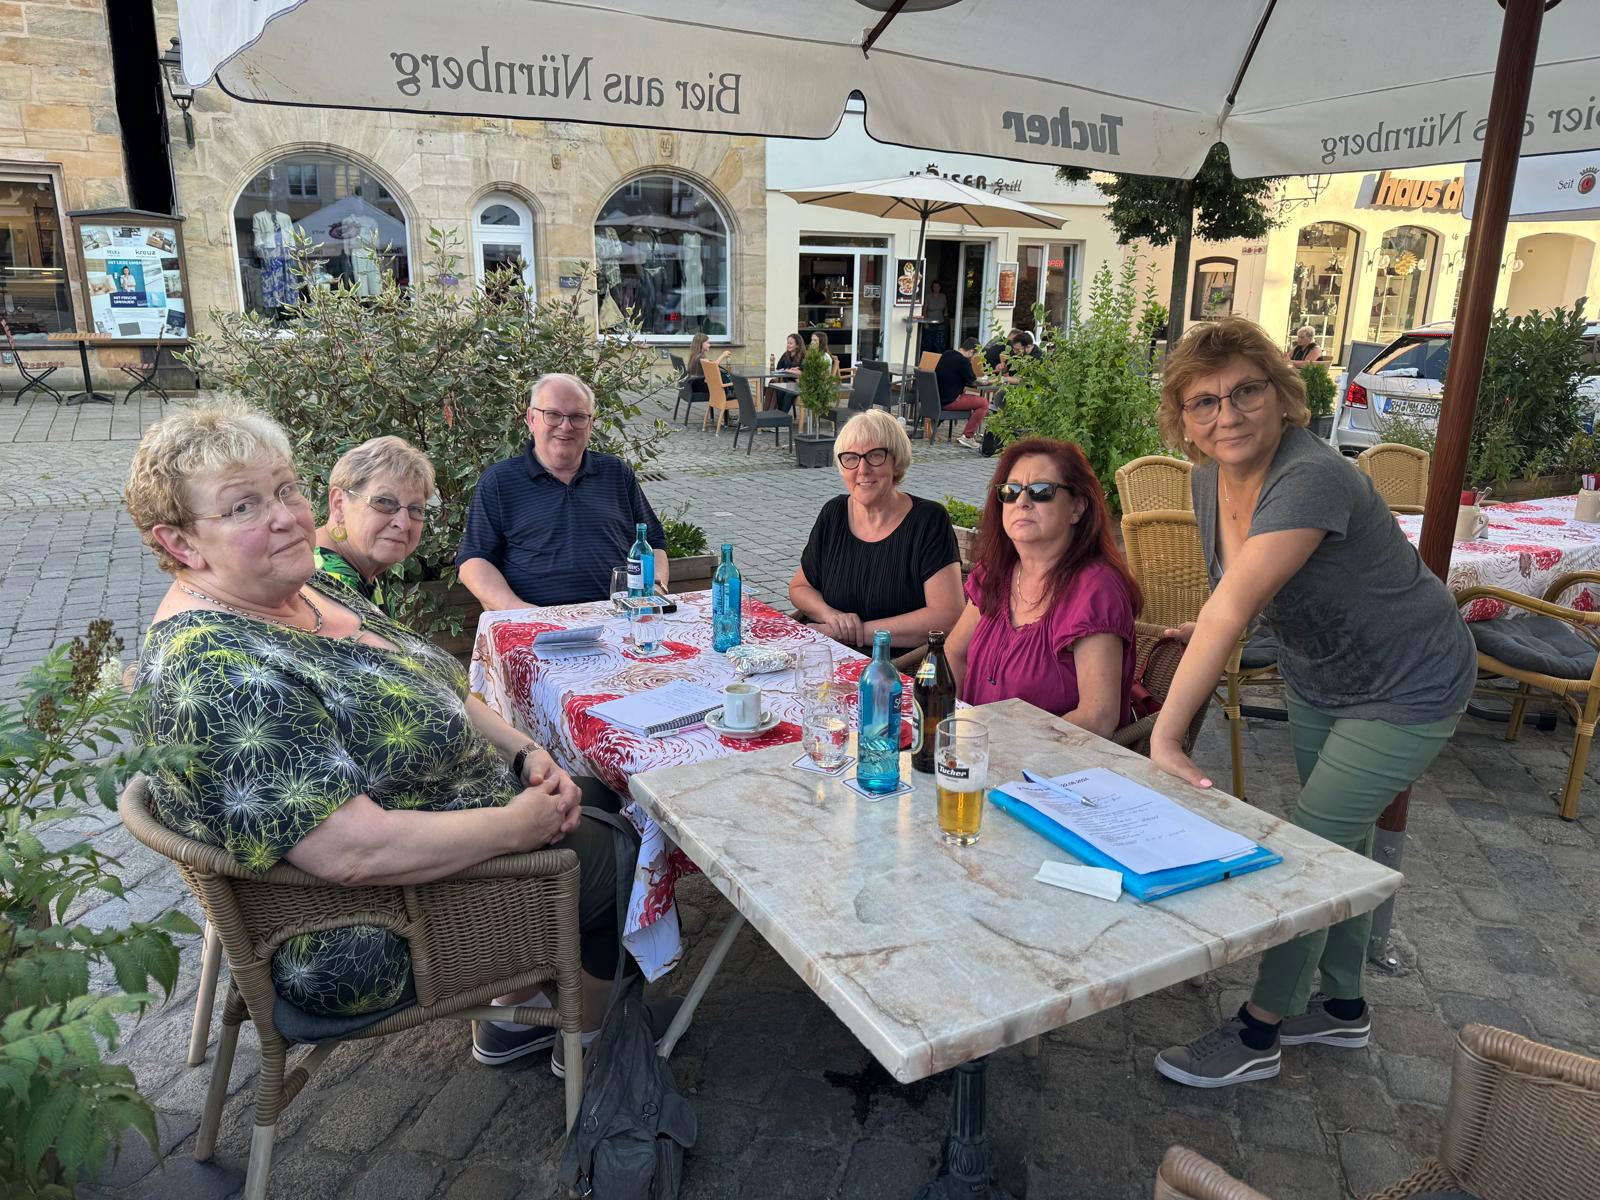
(1319,397)
(446,367)
(964,517)
(64,980)
(819,396)
(692,566)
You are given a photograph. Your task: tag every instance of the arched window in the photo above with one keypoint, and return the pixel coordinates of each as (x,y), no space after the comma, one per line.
(1324,260)
(661,252)
(1213,289)
(502,237)
(1405,264)
(356,228)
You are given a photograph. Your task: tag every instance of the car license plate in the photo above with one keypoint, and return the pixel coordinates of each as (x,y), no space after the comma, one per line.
(1412,408)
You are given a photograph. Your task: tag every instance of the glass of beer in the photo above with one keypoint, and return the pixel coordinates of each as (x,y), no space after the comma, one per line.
(961,772)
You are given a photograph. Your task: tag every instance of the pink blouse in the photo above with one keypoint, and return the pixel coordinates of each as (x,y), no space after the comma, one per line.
(1034,663)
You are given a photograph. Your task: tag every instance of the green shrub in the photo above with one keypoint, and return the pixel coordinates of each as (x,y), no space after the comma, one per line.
(1319,388)
(63,1109)
(1093,385)
(961,513)
(446,368)
(684,538)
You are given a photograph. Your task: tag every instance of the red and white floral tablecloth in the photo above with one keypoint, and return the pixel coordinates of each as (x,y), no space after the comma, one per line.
(550,699)
(1524,547)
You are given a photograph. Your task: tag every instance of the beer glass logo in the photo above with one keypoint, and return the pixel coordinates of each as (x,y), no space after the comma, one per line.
(953,770)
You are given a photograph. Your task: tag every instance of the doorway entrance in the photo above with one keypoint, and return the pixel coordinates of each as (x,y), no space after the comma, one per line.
(961,270)
(842,294)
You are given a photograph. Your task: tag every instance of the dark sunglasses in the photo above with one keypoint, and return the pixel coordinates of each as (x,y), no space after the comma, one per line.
(1039,493)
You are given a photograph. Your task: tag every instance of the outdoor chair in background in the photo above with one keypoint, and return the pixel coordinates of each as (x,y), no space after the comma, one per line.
(1554,650)
(1519,1124)
(34,371)
(928,360)
(1400,473)
(752,419)
(866,389)
(932,410)
(501,926)
(717,399)
(686,397)
(144,374)
(1155,481)
(1156,660)
(1165,556)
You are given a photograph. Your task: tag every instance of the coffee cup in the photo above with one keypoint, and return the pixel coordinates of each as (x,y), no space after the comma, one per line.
(1588,506)
(741,706)
(1470,523)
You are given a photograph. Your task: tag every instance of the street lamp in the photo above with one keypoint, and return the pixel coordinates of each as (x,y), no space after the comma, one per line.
(178,88)
(1315,184)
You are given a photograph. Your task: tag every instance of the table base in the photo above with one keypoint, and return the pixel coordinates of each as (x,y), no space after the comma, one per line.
(965,1170)
(90,398)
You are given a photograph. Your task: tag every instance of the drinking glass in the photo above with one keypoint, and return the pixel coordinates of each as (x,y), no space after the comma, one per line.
(645,624)
(825,731)
(619,588)
(813,673)
(961,772)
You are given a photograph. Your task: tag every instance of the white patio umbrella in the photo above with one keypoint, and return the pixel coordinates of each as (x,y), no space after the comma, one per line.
(924,198)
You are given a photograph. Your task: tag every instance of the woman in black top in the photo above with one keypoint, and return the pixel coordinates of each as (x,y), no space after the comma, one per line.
(791,360)
(1305,348)
(878,558)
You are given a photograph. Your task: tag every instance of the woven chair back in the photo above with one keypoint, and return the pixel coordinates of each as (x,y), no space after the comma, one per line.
(1400,473)
(1154,481)
(1164,554)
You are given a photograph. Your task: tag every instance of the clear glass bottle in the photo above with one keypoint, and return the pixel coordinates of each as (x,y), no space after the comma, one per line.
(878,703)
(727,603)
(641,564)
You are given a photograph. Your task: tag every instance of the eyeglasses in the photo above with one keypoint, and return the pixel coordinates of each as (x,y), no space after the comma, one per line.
(1246,397)
(553,419)
(388,506)
(876,457)
(1039,493)
(253,510)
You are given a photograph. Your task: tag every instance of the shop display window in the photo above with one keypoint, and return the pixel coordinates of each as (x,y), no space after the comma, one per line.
(1213,289)
(34,294)
(1325,259)
(1046,274)
(661,254)
(356,229)
(1405,263)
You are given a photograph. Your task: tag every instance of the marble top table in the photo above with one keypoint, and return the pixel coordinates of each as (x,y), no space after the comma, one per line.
(934,955)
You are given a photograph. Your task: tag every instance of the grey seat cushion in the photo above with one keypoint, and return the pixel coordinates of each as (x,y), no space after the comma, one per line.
(1260,651)
(311,1029)
(1541,644)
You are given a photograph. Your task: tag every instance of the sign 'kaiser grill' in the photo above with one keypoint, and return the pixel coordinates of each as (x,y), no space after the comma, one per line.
(1432,195)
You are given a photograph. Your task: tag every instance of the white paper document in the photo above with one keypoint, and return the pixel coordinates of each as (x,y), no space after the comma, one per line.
(578,635)
(1136,826)
(665,709)
(1098,882)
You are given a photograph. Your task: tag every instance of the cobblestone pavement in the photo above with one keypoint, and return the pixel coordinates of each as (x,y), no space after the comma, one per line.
(1498,922)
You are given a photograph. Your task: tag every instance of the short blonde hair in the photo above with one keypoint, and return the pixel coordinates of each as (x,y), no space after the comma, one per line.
(382,456)
(871,429)
(1204,350)
(193,444)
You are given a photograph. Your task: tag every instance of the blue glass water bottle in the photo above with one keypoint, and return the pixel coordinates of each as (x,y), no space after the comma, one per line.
(727,603)
(879,705)
(641,564)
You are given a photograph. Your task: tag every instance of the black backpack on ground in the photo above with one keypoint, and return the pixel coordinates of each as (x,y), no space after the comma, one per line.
(633,1124)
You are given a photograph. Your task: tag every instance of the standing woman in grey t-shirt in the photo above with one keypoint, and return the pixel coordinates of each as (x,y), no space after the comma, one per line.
(1376,661)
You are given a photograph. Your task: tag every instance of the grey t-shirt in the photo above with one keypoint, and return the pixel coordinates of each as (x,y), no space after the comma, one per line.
(1364,630)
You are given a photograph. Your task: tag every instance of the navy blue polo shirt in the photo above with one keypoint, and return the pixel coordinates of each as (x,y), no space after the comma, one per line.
(557,543)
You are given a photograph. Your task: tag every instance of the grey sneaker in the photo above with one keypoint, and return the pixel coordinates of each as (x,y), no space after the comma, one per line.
(1218,1059)
(494,1047)
(1320,1026)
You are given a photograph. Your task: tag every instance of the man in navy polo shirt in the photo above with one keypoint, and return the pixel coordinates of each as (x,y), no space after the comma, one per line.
(548,526)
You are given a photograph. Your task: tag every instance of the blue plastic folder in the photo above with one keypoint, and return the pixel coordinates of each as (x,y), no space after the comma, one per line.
(1147,886)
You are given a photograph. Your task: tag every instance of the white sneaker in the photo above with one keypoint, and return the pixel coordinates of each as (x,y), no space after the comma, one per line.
(967,442)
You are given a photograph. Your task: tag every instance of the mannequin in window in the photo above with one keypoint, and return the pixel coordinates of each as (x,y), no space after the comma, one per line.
(272,235)
(653,283)
(365,270)
(693,300)
(608,268)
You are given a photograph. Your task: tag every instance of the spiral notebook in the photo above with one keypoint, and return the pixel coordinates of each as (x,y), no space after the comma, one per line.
(661,710)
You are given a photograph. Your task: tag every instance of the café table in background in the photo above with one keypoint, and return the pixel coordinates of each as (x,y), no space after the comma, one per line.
(934,955)
(1525,546)
(84,340)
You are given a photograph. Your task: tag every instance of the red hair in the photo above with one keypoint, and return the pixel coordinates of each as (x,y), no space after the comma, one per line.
(1091,539)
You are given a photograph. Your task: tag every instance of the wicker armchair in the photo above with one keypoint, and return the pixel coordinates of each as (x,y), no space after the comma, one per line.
(1400,473)
(1532,651)
(1165,556)
(1519,1125)
(498,927)
(1157,664)
(1156,481)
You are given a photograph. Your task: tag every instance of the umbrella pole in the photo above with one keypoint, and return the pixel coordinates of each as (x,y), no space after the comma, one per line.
(1502,143)
(905,355)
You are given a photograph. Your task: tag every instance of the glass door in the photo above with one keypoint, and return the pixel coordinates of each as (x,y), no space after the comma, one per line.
(1046,273)
(843,295)
(971,300)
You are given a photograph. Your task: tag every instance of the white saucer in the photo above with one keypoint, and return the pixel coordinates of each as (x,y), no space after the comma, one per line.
(769,721)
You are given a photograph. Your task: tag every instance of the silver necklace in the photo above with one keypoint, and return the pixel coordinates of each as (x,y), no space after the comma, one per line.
(239,612)
(1233,513)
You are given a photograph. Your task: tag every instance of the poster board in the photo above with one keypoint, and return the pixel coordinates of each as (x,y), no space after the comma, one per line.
(134,273)
(1006,296)
(908,282)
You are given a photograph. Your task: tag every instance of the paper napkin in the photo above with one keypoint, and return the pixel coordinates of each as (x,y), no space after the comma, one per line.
(1091,881)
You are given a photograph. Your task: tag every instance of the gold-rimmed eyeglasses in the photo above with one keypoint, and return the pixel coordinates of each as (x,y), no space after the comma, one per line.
(253,510)
(388,506)
(1246,396)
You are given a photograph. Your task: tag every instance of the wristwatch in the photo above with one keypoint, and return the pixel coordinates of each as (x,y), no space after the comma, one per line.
(520,760)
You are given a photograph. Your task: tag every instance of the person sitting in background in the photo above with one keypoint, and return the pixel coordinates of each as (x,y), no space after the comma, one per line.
(819,341)
(995,349)
(377,506)
(549,526)
(699,357)
(1050,603)
(789,362)
(1019,345)
(1305,349)
(955,376)
(878,558)
(327,735)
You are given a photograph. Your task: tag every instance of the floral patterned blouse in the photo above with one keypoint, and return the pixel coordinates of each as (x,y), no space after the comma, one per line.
(289,725)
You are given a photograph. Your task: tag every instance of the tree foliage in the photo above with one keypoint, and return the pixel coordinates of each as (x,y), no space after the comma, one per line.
(819,390)
(63,1108)
(446,368)
(1215,205)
